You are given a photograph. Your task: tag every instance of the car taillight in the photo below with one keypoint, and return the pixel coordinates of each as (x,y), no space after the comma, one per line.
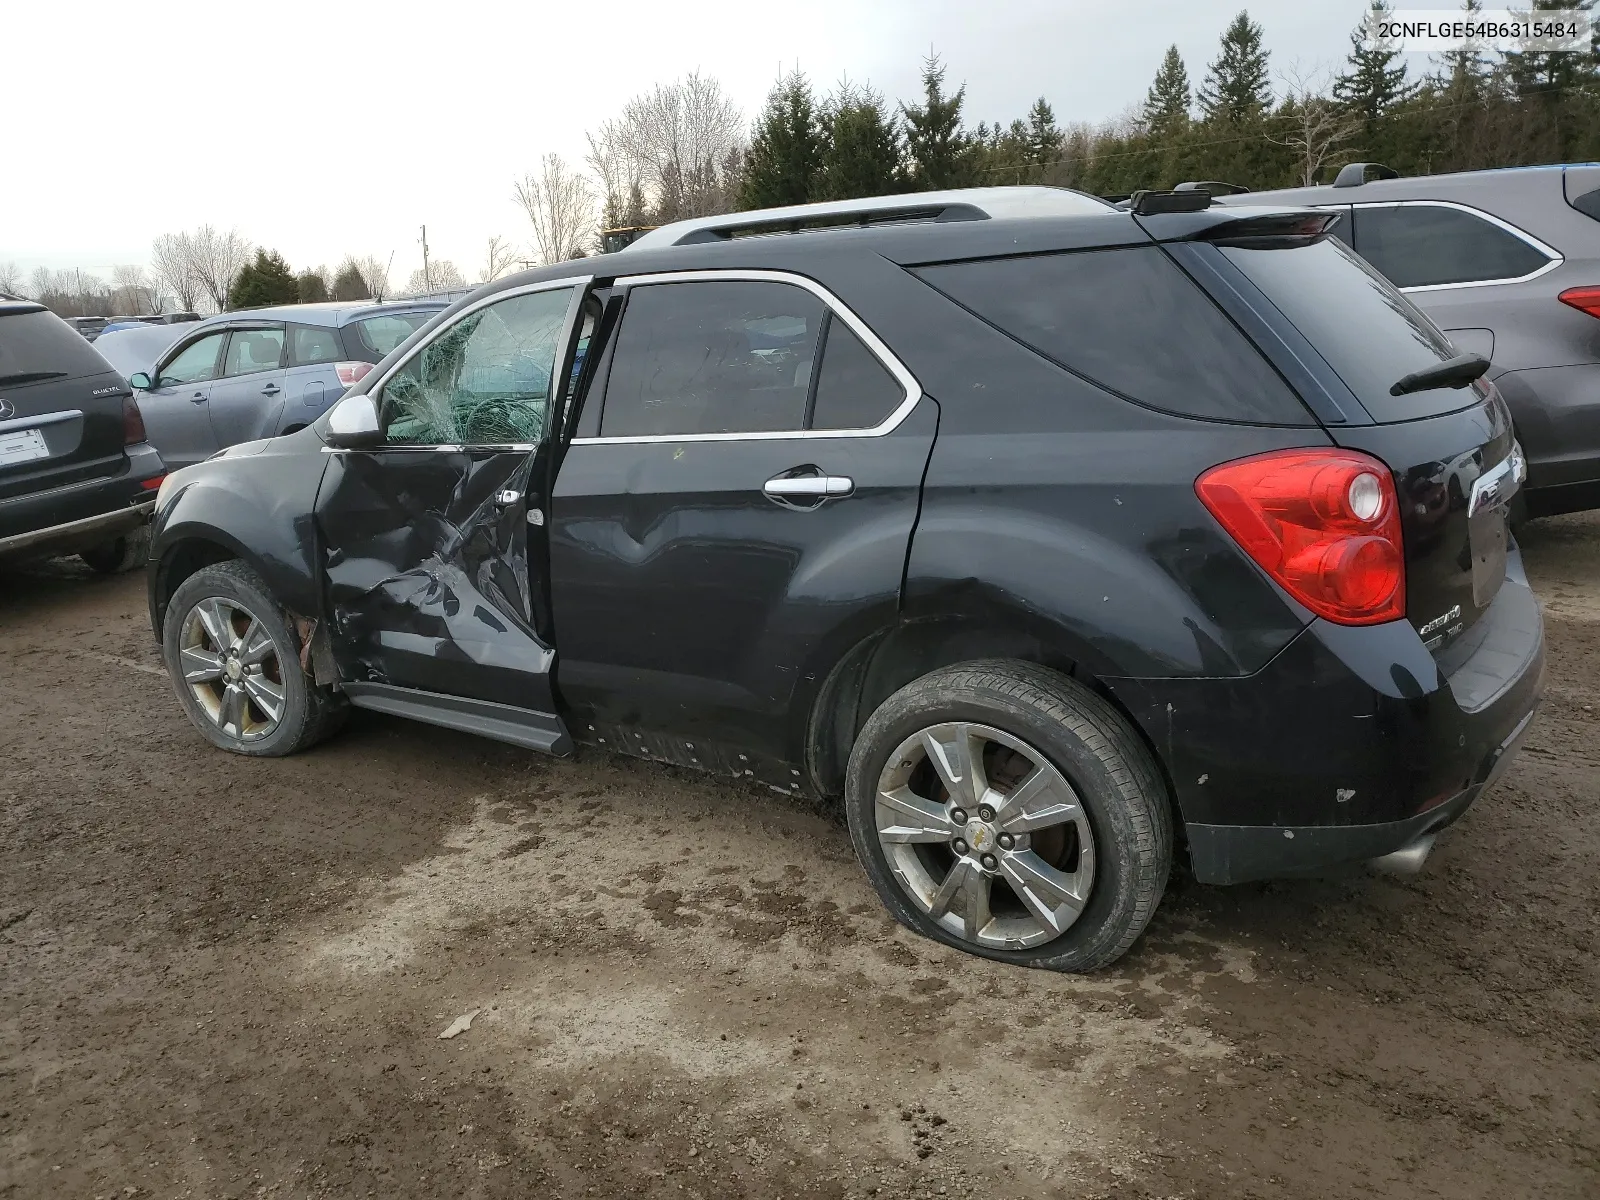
(1584,299)
(351,373)
(132,422)
(1325,524)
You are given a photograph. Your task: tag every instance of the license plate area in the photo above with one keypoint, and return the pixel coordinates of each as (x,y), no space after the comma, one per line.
(24,445)
(1487,538)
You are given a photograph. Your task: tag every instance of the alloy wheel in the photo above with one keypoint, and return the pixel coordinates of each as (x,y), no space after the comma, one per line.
(985,835)
(231,667)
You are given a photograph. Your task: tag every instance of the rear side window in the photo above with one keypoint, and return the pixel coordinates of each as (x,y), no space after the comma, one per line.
(854,389)
(376,336)
(313,344)
(1132,322)
(252,350)
(1424,245)
(733,357)
(36,346)
(1369,333)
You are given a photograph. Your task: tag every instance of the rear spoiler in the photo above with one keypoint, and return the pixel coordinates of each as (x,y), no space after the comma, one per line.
(1240,225)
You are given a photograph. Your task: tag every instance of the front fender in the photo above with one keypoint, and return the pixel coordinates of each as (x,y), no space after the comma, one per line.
(256,503)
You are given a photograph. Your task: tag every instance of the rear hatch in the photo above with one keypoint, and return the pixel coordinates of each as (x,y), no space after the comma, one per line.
(60,405)
(1451,449)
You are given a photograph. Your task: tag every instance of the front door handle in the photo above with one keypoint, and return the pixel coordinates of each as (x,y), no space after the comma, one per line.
(271,389)
(198,398)
(809,487)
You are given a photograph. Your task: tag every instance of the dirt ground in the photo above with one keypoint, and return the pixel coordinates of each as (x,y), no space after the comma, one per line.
(228,978)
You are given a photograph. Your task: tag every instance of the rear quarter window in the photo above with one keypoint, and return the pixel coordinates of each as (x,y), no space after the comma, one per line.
(1425,245)
(38,346)
(376,336)
(1131,321)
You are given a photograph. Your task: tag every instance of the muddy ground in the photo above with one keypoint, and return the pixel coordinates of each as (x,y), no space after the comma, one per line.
(222,977)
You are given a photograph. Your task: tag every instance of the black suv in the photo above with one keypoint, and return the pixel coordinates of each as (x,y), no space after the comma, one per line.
(76,474)
(1042,533)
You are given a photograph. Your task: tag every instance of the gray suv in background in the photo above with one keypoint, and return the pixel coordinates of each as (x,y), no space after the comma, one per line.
(1507,263)
(241,376)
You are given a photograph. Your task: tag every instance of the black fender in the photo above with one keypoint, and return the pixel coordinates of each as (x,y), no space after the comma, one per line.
(255,502)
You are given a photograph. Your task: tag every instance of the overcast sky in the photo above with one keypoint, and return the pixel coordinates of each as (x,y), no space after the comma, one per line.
(328,127)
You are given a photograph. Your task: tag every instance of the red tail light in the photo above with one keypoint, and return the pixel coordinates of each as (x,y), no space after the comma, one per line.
(1584,299)
(352,372)
(153,484)
(132,422)
(1325,524)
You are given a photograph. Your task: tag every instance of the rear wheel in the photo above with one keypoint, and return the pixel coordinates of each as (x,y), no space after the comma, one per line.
(235,664)
(120,554)
(1009,811)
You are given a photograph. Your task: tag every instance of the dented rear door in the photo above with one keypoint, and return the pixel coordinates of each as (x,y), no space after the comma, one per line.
(434,544)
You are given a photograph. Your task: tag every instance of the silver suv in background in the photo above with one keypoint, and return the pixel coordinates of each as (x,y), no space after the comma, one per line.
(1507,263)
(241,376)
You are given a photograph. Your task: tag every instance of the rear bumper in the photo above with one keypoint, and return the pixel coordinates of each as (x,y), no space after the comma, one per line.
(81,515)
(1351,744)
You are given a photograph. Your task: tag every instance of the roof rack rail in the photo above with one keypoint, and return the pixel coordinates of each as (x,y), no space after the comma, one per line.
(1355,174)
(958,204)
(1214,187)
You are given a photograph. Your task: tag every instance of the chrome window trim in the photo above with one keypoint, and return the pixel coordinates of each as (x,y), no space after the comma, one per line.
(837,307)
(579,283)
(38,420)
(1555,257)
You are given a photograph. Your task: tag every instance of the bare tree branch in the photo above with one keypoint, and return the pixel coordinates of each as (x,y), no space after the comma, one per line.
(442,275)
(217,258)
(172,265)
(10,279)
(560,207)
(1316,129)
(375,274)
(501,255)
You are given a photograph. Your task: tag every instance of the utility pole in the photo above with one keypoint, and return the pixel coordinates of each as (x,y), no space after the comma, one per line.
(427,275)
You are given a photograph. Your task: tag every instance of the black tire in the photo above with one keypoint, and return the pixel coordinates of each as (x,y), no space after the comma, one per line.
(125,553)
(1117,780)
(309,714)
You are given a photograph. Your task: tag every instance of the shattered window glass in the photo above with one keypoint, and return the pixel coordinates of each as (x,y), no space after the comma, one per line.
(485,381)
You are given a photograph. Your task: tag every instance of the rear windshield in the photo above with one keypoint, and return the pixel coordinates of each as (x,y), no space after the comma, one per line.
(1132,322)
(379,335)
(36,346)
(1369,333)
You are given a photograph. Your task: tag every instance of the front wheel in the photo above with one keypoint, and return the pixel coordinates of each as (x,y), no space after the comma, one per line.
(1009,811)
(235,664)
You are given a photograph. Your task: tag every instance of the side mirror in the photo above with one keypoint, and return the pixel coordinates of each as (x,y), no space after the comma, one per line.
(353,423)
(140,381)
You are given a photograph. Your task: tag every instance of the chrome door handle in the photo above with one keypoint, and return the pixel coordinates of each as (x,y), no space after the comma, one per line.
(507,498)
(198,398)
(270,390)
(820,487)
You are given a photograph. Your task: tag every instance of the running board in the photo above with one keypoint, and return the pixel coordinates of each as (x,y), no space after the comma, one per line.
(540,731)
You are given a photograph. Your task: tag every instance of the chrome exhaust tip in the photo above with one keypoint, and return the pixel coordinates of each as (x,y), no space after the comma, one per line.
(1407,860)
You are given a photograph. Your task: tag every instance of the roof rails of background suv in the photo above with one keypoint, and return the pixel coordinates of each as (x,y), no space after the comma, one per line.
(1355,174)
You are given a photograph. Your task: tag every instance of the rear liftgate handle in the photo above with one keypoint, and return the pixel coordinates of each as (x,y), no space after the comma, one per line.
(807,487)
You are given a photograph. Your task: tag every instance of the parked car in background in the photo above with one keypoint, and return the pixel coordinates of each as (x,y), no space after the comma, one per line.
(89,327)
(1507,263)
(240,376)
(77,475)
(137,346)
(1042,534)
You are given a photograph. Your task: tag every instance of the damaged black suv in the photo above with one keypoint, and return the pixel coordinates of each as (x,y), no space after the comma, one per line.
(1046,535)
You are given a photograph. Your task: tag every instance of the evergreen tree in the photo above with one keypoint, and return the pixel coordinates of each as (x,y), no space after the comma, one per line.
(1166,105)
(313,287)
(1464,74)
(941,151)
(268,280)
(1374,81)
(786,148)
(862,153)
(1552,74)
(1042,137)
(1236,88)
(349,284)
